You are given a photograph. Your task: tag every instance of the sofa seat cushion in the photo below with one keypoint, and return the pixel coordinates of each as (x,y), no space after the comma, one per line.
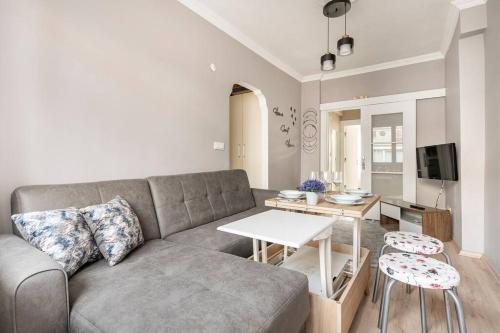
(209,237)
(169,287)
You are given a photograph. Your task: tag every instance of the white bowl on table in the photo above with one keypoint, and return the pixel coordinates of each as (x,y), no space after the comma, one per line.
(358,191)
(291,194)
(345,198)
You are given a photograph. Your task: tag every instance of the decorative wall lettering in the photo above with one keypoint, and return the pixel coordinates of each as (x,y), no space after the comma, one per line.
(310,130)
(284,129)
(288,143)
(277,112)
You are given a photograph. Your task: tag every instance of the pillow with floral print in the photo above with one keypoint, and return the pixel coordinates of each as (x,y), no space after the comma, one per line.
(115,227)
(62,234)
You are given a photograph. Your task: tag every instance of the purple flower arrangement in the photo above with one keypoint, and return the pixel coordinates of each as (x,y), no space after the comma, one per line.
(312,185)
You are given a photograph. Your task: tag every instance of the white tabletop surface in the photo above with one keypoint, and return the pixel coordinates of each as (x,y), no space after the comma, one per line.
(281,227)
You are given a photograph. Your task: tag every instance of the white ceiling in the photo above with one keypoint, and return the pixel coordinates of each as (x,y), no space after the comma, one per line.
(292,33)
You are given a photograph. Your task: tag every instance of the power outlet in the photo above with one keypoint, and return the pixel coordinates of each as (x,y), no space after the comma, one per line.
(219,145)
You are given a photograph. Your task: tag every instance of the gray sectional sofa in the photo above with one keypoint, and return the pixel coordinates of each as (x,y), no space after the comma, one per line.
(187,277)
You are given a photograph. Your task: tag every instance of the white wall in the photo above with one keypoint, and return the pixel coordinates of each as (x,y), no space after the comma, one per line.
(97,90)
(492,171)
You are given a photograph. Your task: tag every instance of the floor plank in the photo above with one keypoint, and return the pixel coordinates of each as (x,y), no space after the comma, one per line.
(479,291)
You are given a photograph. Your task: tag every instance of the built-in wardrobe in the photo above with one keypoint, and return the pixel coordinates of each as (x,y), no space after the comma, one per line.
(245,135)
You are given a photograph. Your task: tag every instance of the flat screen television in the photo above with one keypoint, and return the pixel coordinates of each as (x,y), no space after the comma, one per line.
(437,162)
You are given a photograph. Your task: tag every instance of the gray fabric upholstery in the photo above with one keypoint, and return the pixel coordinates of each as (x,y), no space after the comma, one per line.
(186,201)
(168,287)
(260,196)
(33,289)
(45,197)
(209,237)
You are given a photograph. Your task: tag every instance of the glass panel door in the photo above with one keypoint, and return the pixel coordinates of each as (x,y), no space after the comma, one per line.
(387,154)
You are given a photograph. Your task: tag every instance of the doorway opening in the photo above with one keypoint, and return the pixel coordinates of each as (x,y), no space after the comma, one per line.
(345,146)
(248,133)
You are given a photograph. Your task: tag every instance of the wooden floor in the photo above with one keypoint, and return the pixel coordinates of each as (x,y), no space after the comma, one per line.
(479,291)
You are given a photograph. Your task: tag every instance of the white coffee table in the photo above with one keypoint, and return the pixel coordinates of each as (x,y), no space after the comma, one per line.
(289,229)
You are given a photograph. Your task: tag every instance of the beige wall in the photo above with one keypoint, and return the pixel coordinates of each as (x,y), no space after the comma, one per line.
(95,90)
(424,76)
(430,131)
(310,101)
(492,172)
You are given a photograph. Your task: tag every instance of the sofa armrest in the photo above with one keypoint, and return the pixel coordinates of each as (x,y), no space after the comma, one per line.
(33,289)
(260,196)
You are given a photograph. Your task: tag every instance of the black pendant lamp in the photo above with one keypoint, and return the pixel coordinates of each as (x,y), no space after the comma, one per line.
(345,45)
(328,59)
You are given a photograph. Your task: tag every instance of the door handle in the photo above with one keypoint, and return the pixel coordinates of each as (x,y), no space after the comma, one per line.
(244,155)
(363,164)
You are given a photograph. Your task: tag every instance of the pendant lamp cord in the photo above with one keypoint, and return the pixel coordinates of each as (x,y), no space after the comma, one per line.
(328,36)
(345,18)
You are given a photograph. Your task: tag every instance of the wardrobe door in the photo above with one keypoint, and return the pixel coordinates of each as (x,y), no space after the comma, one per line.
(252,140)
(236,132)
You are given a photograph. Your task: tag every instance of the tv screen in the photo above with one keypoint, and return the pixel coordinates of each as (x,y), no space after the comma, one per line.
(437,162)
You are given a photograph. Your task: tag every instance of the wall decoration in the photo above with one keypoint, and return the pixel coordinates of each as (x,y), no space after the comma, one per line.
(293,115)
(310,130)
(277,112)
(289,144)
(285,129)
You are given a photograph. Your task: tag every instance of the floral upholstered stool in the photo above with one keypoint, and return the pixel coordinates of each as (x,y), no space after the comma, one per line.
(424,273)
(410,242)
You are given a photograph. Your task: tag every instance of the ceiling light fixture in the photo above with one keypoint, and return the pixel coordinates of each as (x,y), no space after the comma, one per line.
(345,45)
(336,8)
(328,59)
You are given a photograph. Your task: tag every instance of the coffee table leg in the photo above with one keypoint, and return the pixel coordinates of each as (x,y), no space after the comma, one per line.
(356,244)
(328,258)
(264,251)
(285,252)
(256,250)
(322,267)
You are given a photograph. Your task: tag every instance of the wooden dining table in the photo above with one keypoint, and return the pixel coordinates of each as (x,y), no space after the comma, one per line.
(352,213)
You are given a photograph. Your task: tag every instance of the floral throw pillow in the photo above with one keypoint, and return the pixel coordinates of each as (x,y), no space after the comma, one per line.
(115,227)
(62,234)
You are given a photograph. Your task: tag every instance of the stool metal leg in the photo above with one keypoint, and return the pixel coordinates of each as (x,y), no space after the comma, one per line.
(387,300)
(448,312)
(382,300)
(460,310)
(377,275)
(423,316)
(408,289)
(449,262)
(447,258)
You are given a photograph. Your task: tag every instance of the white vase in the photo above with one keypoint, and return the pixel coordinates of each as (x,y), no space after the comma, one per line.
(312,198)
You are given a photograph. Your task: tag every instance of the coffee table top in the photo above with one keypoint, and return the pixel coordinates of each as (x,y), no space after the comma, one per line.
(281,227)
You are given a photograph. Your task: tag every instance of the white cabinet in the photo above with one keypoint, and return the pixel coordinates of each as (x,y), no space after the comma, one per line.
(245,134)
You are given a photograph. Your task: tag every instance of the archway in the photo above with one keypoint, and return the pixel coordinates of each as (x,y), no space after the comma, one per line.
(248,133)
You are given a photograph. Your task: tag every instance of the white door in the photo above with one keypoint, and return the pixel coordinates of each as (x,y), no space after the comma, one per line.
(252,140)
(388,151)
(236,132)
(352,156)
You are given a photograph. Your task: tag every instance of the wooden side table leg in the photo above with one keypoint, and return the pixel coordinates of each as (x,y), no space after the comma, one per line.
(322,267)
(356,244)
(256,250)
(264,251)
(328,258)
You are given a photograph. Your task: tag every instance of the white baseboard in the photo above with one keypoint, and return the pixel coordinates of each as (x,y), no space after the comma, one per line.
(469,254)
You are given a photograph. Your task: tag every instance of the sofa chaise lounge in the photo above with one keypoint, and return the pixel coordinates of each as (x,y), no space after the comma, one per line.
(187,277)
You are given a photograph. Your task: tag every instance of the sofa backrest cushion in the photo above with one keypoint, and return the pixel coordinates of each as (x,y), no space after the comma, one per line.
(187,201)
(47,197)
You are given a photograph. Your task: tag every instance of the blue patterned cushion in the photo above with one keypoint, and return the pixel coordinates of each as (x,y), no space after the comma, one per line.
(62,234)
(115,227)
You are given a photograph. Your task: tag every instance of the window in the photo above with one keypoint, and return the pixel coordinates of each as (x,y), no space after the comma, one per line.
(387,143)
